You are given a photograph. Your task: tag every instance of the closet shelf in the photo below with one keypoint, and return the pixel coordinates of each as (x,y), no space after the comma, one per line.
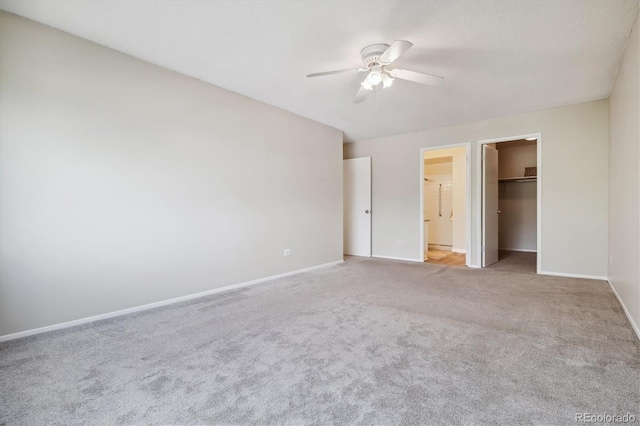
(519,179)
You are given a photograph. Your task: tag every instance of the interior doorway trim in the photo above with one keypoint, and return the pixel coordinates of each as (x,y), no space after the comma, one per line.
(539,174)
(467,146)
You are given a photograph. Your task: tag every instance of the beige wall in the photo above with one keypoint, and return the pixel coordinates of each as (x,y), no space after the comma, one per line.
(574,184)
(517,229)
(459,182)
(123,183)
(517,200)
(513,157)
(624,180)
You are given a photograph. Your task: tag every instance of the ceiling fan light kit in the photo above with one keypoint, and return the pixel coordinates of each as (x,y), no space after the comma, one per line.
(375,59)
(375,77)
(387,80)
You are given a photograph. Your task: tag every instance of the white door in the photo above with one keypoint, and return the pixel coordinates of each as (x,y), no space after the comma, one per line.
(357,206)
(490,210)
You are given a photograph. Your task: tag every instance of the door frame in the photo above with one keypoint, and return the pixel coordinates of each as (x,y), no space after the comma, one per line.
(479,178)
(467,146)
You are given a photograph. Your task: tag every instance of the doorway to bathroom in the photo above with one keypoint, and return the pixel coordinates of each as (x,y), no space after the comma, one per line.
(445,204)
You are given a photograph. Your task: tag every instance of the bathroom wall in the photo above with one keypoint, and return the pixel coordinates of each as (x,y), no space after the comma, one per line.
(459,193)
(438,200)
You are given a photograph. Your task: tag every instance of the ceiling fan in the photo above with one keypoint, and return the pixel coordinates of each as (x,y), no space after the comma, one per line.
(376,58)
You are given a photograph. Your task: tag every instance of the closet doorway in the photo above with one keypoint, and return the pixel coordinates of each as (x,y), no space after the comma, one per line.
(445,204)
(510,188)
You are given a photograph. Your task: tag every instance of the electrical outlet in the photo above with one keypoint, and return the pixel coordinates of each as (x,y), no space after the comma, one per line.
(399,242)
(287,252)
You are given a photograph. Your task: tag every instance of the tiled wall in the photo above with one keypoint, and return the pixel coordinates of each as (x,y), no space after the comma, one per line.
(440,227)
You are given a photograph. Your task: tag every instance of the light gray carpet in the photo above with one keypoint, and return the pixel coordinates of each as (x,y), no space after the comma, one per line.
(516,261)
(365,342)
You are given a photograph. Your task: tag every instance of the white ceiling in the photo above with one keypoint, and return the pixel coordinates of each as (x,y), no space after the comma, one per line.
(498,57)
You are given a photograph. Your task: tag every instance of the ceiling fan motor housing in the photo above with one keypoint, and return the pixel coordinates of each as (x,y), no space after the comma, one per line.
(371,54)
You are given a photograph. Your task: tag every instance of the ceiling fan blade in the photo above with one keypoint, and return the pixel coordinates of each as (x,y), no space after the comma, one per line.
(322,74)
(417,77)
(361,95)
(394,51)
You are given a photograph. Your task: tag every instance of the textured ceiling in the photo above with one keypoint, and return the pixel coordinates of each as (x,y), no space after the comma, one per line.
(498,57)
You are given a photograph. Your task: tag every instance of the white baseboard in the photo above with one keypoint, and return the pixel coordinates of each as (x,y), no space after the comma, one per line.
(626,312)
(439,247)
(567,275)
(474,266)
(121,312)
(455,250)
(405,259)
(516,249)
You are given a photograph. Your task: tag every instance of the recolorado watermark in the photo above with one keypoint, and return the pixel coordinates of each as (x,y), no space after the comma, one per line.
(605,418)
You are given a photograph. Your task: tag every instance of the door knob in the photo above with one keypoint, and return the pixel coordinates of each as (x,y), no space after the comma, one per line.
(498,211)
(366,211)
